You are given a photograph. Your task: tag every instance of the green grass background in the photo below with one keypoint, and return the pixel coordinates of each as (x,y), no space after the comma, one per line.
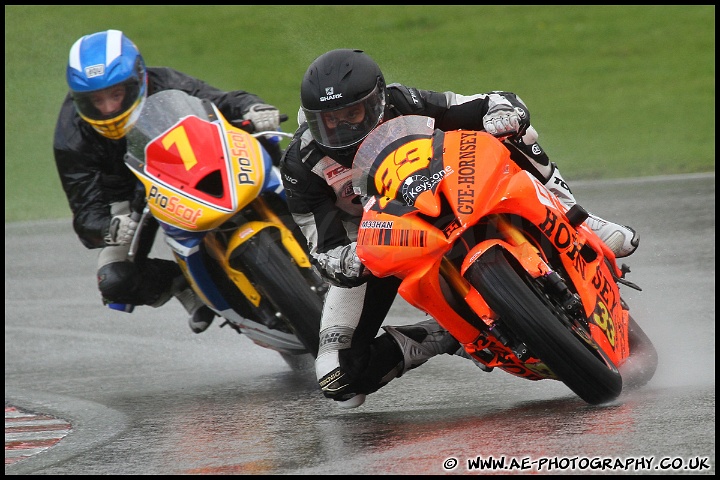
(614,91)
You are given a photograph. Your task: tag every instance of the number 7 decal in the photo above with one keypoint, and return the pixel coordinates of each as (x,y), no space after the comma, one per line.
(178,137)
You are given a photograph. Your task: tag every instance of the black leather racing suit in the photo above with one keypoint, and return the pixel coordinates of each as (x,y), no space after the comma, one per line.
(94,176)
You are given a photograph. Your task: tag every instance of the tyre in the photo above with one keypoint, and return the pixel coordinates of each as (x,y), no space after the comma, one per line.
(300,363)
(640,366)
(543,327)
(276,276)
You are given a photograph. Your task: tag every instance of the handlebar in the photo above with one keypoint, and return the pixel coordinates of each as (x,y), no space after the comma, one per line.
(272,133)
(248,126)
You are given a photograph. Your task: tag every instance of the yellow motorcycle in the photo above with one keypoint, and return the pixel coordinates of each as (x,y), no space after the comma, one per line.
(220,202)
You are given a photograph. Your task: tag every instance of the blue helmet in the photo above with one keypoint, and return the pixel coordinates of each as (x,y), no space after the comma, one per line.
(107,65)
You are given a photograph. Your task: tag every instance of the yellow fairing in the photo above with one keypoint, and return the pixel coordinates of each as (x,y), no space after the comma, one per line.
(286,236)
(249,229)
(176,189)
(237,277)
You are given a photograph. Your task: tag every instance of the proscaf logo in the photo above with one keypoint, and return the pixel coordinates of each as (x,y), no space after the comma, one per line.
(171,206)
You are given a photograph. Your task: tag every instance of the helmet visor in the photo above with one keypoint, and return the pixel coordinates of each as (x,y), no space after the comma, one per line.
(345,126)
(108,103)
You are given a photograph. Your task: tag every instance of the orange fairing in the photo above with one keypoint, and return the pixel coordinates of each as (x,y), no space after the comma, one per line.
(480,168)
(390,245)
(436,202)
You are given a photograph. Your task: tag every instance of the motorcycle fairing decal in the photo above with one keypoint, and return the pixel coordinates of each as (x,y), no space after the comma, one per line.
(186,155)
(387,224)
(181,211)
(172,207)
(622,348)
(375,244)
(388,230)
(564,237)
(545,196)
(395,169)
(248,166)
(481,166)
(451,227)
(413,186)
(395,237)
(605,291)
(603,319)
(568,242)
(467,164)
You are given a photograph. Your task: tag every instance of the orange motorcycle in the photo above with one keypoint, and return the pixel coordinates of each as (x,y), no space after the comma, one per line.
(482,246)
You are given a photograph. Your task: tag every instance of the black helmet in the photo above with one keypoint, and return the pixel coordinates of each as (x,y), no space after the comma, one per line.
(343,99)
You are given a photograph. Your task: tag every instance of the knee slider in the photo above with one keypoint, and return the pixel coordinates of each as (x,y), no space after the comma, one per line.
(117,281)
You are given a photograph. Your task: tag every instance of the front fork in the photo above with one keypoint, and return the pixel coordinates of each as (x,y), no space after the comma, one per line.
(513,241)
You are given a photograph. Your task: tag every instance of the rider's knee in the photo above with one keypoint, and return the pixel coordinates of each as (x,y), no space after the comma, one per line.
(117,281)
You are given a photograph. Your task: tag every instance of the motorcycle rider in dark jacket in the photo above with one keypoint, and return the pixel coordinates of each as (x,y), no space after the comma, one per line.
(109,83)
(343,98)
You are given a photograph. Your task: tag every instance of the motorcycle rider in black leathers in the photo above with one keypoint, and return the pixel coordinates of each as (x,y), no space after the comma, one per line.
(343,97)
(109,83)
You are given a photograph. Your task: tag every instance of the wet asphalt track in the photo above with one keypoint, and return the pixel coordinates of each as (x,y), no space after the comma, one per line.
(143,395)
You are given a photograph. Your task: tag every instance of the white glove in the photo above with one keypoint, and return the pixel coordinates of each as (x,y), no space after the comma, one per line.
(122,230)
(342,267)
(263,117)
(502,120)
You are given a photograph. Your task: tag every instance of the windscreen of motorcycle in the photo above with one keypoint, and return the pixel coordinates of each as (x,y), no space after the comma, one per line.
(160,113)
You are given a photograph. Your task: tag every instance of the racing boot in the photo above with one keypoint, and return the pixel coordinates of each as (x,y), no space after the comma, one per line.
(201,316)
(622,240)
(464,354)
(422,341)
